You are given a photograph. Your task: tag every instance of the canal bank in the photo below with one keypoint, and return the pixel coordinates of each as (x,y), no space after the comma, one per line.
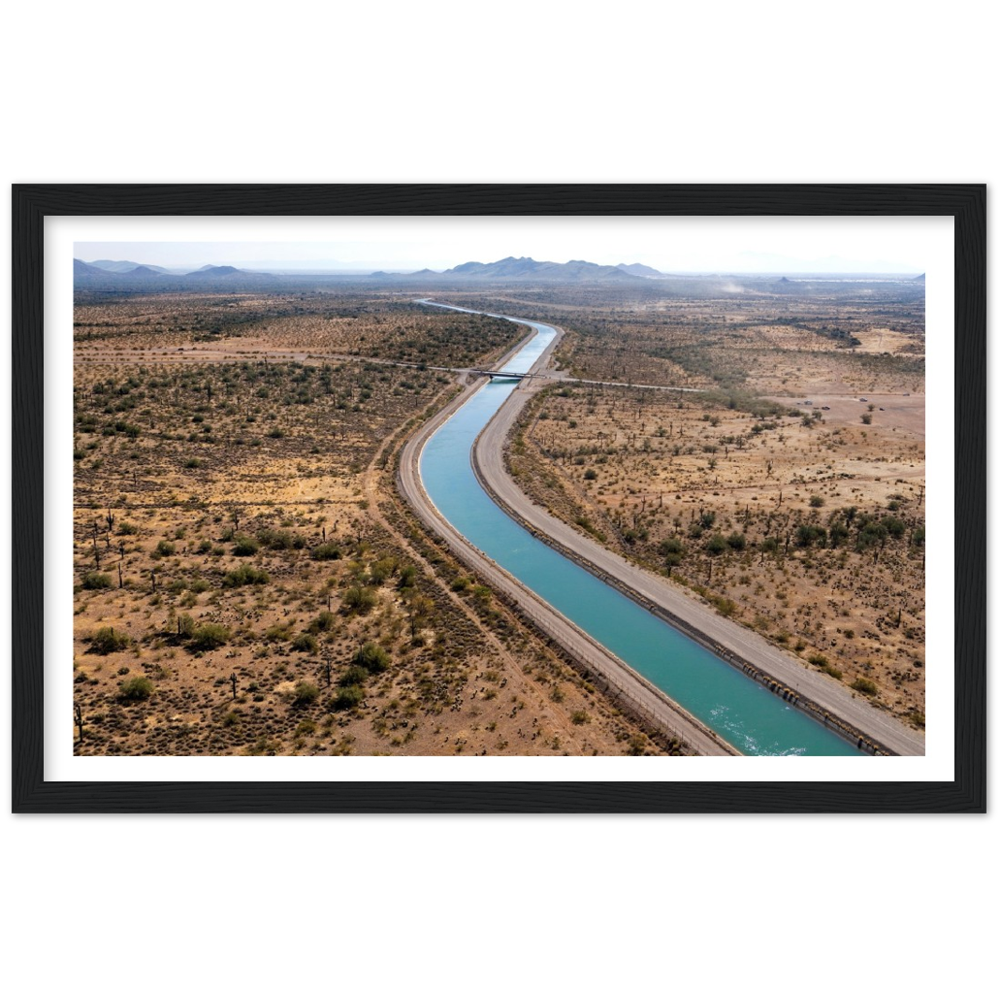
(621,683)
(722,699)
(492,440)
(820,697)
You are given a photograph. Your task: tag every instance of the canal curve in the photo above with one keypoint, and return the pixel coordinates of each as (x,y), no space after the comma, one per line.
(741,711)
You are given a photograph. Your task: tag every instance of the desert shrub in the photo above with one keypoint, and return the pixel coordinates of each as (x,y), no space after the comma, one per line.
(244,574)
(244,545)
(326,551)
(323,622)
(305,693)
(359,600)
(372,657)
(95,581)
(381,570)
(354,674)
(737,540)
(895,526)
(305,643)
(865,686)
(870,533)
(832,671)
(280,539)
(579,717)
(127,528)
(107,640)
(210,635)
(838,533)
(137,688)
(348,697)
(818,660)
(672,550)
(725,606)
(816,501)
(716,545)
(164,548)
(806,534)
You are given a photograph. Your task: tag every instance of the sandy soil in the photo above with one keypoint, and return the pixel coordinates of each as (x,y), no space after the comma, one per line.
(213,466)
(634,469)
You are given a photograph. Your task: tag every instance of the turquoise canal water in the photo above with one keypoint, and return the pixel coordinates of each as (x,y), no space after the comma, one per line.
(745,714)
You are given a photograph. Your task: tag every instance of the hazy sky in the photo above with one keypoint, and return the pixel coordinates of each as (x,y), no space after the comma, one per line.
(669,244)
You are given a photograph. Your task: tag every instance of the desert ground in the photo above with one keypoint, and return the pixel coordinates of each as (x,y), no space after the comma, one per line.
(788,494)
(248,581)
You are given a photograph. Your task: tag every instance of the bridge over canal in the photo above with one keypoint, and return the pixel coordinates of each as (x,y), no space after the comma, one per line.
(516,376)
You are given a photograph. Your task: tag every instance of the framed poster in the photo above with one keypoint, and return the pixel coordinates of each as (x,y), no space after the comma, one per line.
(582,789)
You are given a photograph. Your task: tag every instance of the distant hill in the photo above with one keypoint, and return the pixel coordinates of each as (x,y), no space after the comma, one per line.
(83,270)
(640,270)
(526,268)
(213,271)
(922,278)
(122,266)
(151,278)
(126,275)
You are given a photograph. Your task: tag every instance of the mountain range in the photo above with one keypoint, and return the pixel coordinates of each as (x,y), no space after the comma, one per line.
(526,268)
(112,275)
(116,276)
(120,275)
(121,266)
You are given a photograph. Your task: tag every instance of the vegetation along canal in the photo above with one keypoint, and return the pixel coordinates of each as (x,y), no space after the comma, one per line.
(752,719)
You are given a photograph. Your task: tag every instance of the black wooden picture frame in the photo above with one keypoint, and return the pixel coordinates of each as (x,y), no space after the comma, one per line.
(966,792)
